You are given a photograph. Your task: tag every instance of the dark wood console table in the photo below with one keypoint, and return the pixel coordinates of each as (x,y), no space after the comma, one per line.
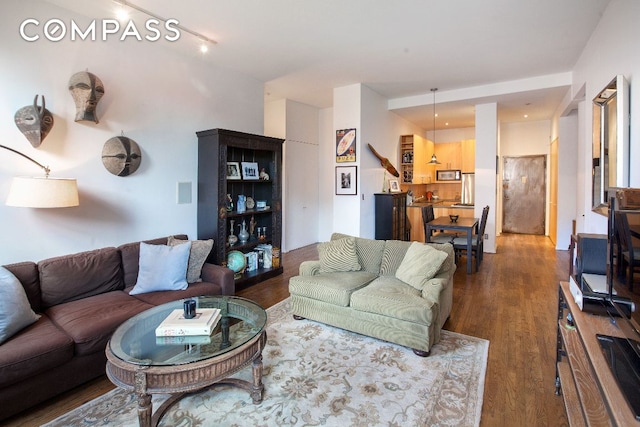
(591,394)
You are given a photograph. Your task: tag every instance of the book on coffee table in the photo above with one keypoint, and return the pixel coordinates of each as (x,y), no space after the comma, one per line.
(184,340)
(176,325)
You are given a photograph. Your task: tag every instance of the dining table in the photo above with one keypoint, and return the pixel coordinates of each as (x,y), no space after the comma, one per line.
(461,225)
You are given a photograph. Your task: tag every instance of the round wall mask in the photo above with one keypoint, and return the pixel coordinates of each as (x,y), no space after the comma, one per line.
(121,156)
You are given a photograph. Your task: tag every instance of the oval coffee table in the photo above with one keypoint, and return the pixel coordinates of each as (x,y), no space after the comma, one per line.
(142,363)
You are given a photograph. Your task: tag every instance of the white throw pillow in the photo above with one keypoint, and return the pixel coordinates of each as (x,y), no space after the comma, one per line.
(15,310)
(420,263)
(200,250)
(162,268)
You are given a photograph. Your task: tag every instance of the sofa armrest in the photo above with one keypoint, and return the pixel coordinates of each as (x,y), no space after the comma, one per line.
(432,289)
(220,275)
(310,268)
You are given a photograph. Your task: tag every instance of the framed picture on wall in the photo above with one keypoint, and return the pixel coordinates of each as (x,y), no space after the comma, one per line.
(347,180)
(345,145)
(233,170)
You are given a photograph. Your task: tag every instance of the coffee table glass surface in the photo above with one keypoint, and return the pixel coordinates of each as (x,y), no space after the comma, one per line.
(135,341)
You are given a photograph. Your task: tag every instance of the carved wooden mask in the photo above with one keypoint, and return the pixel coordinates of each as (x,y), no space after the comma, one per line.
(121,156)
(86,89)
(34,122)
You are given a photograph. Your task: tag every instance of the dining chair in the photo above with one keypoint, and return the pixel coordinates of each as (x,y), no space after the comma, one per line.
(440,237)
(477,240)
(629,258)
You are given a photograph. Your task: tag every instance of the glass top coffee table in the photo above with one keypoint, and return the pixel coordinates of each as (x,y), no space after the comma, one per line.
(142,363)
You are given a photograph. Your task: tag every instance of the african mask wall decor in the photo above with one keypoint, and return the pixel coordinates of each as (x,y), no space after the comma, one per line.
(34,122)
(86,89)
(121,156)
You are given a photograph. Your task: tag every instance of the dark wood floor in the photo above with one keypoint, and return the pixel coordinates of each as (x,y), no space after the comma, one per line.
(511,302)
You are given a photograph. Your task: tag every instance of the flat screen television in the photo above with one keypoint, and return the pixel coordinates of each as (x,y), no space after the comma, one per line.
(623,353)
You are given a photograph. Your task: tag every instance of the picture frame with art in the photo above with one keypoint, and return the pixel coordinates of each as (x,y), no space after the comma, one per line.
(250,171)
(346,180)
(394,186)
(233,170)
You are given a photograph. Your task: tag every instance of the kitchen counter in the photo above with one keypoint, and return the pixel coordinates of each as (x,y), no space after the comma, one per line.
(440,208)
(452,204)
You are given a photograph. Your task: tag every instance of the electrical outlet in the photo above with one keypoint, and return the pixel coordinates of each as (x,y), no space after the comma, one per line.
(486,236)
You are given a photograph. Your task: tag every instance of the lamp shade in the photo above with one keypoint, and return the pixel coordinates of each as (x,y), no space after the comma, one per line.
(30,192)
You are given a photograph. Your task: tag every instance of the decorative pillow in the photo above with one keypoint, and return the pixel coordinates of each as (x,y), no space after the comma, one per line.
(15,310)
(197,256)
(162,268)
(338,255)
(420,263)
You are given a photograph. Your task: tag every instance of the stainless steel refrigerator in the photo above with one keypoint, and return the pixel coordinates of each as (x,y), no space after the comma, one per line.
(468,189)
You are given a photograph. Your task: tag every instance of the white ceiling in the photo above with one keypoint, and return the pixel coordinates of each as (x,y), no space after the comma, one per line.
(302,49)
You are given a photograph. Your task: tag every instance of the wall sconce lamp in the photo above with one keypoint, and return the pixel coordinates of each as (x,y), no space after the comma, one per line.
(41,192)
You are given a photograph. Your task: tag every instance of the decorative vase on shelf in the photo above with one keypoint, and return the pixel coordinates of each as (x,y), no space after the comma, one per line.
(233,239)
(243,234)
(241,206)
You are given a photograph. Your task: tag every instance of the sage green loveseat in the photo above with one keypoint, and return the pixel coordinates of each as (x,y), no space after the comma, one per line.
(362,293)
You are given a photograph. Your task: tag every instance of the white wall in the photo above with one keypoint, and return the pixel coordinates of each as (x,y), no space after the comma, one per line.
(611,50)
(299,125)
(359,106)
(155,95)
(525,139)
(567,178)
(486,180)
(326,150)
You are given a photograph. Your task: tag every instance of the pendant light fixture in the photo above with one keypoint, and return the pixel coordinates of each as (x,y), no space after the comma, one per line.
(434,160)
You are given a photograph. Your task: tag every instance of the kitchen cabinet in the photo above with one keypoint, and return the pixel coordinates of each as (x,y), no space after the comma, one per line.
(415,153)
(468,155)
(217,147)
(449,155)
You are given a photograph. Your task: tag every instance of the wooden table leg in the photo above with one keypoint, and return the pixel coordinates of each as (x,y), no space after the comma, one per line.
(257,386)
(145,409)
(469,257)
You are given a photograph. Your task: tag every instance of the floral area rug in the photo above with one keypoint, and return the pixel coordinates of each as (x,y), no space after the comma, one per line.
(317,375)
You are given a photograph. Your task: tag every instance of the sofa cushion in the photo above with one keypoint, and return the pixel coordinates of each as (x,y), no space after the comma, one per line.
(36,349)
(90,322)
(338,255)
(200,250)
(130,254)
(449,264)
(72,277)
(420,263)
(369,252)
(390,297)
(335,288)
(162,268)
(392,257)
(15,310)
(27,273)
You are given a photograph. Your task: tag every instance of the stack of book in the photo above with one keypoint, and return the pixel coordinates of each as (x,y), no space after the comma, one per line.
(203,324)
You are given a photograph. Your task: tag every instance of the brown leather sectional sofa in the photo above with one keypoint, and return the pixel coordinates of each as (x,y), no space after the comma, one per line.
(82,298)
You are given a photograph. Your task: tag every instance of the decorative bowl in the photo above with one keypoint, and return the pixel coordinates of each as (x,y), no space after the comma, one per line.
(236,261)
(261,204)
(454,218)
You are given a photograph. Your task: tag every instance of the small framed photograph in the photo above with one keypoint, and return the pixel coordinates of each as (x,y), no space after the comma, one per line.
(250,170)
(233,170)
(394,186)
(347,180)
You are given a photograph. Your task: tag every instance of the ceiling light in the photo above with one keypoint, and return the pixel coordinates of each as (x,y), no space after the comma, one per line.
(434,160)
(159,18)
